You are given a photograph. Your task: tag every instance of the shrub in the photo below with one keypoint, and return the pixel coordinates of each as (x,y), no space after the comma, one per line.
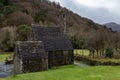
(109,52)
(22,32)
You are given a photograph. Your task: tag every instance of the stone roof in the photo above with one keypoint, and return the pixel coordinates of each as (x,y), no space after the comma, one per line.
(30,49)
(52,37)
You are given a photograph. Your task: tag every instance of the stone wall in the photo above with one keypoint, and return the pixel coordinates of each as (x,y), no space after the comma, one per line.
(30,56)
(58,58)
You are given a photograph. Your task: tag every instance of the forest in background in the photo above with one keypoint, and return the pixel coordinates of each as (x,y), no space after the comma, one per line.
(16,17)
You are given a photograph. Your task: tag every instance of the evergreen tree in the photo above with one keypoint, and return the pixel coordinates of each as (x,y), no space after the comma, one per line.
(1,21)
(7,2)
(41,16)
(6,43)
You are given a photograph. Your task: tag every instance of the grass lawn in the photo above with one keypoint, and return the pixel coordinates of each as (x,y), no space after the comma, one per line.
(72,72)
(4,55)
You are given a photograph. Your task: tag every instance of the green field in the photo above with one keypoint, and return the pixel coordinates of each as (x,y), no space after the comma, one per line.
(83,52)
(72,72)
(4,55)
(69,72)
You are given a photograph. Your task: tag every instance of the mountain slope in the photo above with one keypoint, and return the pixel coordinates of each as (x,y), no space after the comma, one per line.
(25,11)
(113,26)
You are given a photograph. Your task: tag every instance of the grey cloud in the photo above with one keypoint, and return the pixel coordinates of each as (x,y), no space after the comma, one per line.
(99,14)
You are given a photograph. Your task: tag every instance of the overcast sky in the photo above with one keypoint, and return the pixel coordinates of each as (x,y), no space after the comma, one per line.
(100,11)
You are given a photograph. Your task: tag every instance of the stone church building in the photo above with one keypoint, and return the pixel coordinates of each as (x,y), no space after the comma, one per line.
(46,47)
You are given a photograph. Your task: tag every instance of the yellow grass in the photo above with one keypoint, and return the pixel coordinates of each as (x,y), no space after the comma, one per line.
(83,52)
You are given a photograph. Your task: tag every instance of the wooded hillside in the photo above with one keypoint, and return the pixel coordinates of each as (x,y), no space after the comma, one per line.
(14,13)
(19,12)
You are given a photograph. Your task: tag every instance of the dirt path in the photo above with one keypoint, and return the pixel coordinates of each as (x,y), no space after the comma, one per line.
(81,64)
